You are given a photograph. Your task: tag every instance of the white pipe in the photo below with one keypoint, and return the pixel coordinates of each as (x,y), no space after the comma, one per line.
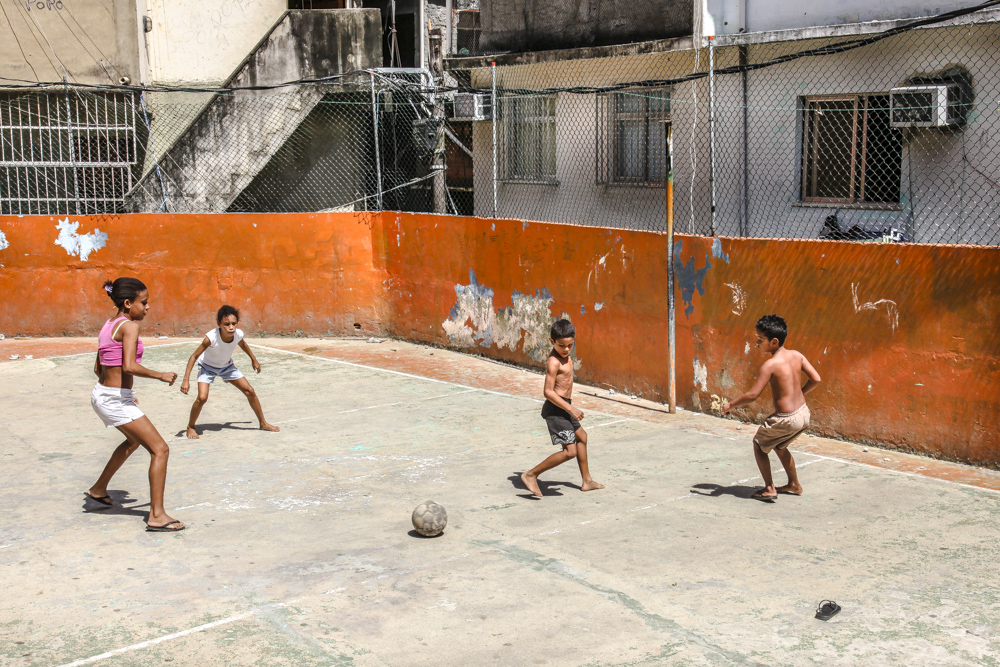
(493,114)
(449,26)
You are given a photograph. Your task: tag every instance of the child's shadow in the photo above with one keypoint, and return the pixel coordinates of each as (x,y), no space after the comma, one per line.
(716,490)
(201,429)
(120,499)
(547,488)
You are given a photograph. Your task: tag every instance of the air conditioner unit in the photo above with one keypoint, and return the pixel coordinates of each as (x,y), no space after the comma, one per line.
(924,106)
(472,106)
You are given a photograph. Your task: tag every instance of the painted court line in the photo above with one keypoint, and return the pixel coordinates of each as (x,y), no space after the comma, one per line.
(93,352)
(151,642)
(383,405)
(901,472)
(617,421)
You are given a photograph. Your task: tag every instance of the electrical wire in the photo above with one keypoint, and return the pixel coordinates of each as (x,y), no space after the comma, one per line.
(46,38)
(21,48)
(77,38)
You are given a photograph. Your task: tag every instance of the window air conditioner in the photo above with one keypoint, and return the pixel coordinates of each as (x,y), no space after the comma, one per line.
(472,106)
(924,106)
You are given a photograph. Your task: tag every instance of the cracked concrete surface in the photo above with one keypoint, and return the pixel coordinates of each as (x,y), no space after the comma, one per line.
(298,550)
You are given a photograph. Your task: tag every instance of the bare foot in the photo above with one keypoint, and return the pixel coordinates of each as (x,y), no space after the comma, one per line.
(790,489)
(591,486)
(269,427)
(193,434)
(532,484)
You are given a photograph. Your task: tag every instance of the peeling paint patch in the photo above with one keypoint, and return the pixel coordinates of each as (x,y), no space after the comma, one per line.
(891,309)
(474,321)
(746,350)
(78,244)
(689,278)
(739,298)
(598,305)
(583,310)
(700,374)
(717,250)
(3,241)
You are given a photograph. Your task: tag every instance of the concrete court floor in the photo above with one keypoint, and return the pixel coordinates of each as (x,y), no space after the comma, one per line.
(299,551)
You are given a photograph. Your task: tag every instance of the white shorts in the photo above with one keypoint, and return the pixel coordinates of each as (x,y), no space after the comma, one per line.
(209,373)
(114,405)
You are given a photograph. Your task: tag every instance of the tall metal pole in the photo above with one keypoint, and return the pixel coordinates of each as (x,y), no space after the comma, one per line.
(493,115)
(378,151)
(711,126)
(671,334)
(745,208)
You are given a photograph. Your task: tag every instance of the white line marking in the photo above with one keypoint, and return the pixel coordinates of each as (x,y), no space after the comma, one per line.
(7,545)
(617,421)
(383,405)
(386,370)
(901,472)
(714,435)
(142,645)
(94,352)
(187,507)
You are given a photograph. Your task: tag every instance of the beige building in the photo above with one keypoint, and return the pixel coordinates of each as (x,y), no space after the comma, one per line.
(804,148)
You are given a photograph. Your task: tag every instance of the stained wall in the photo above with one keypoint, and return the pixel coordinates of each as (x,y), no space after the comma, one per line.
(906,337)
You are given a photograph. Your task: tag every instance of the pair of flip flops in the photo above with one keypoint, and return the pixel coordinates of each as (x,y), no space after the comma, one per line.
(827,609)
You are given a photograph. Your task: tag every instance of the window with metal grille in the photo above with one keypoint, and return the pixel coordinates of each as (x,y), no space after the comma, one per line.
(850,153)
(66,152)
(528,144)
(631,137)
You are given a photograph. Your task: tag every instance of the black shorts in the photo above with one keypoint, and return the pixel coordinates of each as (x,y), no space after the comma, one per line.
(562,425)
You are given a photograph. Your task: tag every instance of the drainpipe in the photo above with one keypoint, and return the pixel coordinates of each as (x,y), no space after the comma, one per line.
(449,25)
(378,152)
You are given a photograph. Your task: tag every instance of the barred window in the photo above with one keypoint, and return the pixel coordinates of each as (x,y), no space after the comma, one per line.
(632,140)
(850,153)
(66,153)
(528,142)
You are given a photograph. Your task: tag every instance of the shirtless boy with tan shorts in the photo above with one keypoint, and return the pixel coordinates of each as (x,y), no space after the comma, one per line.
(783,372)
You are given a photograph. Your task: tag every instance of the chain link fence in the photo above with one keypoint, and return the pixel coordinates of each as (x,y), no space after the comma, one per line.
(889,136)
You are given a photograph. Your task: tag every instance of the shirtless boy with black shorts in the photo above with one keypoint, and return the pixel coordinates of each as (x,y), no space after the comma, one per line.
(561,417)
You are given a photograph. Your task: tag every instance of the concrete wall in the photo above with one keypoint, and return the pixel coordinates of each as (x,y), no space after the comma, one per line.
(202,41)
(527,25)
(905,336)
(943,198)
(96,40)
(723,16)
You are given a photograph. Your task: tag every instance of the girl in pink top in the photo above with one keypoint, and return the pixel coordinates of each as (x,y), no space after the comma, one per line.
(119,357)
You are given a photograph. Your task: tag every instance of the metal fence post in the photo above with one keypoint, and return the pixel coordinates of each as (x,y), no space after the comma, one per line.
(494,111)
(711,129)
(671,334)
(378,152)
(72,150)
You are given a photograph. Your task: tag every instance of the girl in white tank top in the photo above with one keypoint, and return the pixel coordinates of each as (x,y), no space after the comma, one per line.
(215,360)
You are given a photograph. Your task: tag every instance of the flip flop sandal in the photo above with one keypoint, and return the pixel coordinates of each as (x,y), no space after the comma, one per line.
(827,609)
(163,528)
(103,500)
(759,495)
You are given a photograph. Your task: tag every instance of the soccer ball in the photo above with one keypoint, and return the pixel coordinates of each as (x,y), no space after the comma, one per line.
(429,518)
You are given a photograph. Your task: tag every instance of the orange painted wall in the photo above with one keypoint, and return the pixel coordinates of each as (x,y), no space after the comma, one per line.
(914,362)
(310,272)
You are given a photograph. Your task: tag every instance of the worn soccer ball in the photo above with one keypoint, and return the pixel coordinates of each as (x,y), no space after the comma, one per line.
(429,518)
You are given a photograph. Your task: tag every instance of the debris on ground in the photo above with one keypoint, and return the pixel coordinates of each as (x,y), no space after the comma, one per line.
(15,356)
(378,340)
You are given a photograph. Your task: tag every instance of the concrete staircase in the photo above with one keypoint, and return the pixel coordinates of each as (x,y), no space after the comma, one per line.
(208,165)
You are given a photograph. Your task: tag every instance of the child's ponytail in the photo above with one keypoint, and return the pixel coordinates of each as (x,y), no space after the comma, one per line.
(123,289)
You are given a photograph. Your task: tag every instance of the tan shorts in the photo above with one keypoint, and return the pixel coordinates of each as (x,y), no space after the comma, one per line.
(780,429)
